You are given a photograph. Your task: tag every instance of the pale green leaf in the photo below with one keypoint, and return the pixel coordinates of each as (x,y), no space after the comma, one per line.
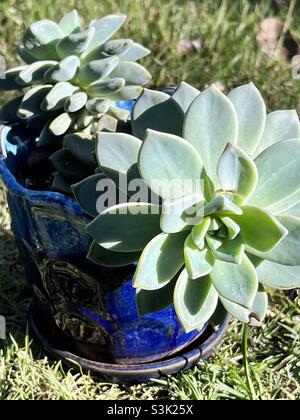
(164,170)
(184,95)
(280,125)
(251,113)
(288,250)
(179,214)
(231,251)
(107,258)
(237,172)
(126,227)
(199,232)
(278,176)
(117,155)
(259,229)
(236,282)
(210,123)
(31,103)
(278,276)
(87,193)
(195,301)
(198,263)
(70,22)
(160,261)
(257,311)
(133,73)
(232,227)
(105,28)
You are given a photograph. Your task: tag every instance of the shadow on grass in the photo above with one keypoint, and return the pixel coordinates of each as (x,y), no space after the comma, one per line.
(15,293)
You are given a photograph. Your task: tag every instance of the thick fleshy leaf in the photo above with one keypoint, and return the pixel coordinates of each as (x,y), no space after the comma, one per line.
(259,229)
(117,155)
(236,282)
(75,44)
(116,47)
(43,32)
(160,261)
(88,191)
(61,124)
(57,96)
(40,39)
(96,70)
(75,102)
(105,87)
(148,99)
(118,113)
(133,73)
(184,95)
(63,71)
(47,138)
(70,23)
(9,111)
(278,178)
(127,93)
(126,227)
(82,148)
(107,123)
(232,227)
(199,232)
(163,168)
(134,53)
(25,55)
(237,172)
(150,301)
(106,258)
(223,206)
(231,251)
(34,73)
(105,28)
(31,103)
(280,125)
(278,276)
(210,123)
(195,301)
(61,184)
(251,112)
(98,106)
(179,214)
(288,250)
(257,311)
(212,242)
(8,82)
(83,120)
(165,116)
(198,263)
(295,210)
(68,166)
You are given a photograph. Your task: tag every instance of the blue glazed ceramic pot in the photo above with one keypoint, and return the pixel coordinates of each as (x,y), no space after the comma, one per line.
(92,305)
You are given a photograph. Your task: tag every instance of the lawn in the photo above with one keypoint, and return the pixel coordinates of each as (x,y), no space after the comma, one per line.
(229,55)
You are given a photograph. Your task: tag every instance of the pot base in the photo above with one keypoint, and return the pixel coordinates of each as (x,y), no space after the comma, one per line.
(56,344)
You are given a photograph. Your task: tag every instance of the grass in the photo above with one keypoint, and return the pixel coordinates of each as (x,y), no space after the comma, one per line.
(229,54)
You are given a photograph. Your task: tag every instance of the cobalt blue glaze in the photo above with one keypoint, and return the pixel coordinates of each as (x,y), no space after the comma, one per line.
(93,305)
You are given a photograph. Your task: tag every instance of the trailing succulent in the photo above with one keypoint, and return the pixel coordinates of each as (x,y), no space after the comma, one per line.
(245,230)
(72,81)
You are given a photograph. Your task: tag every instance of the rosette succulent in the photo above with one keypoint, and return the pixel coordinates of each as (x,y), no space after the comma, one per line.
(72,79)
(223,242)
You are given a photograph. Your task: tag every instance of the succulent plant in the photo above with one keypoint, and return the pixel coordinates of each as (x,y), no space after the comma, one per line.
(245,230)
(73,79)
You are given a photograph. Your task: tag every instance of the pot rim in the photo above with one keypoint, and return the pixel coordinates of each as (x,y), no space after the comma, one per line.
(14,186)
